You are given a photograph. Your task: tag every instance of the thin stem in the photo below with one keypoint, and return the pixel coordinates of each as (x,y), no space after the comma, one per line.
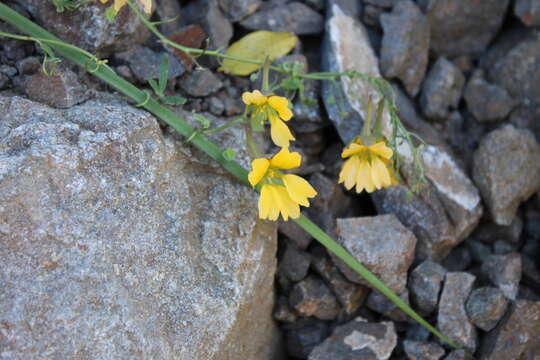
(224,126)
(266,76)
(253,149)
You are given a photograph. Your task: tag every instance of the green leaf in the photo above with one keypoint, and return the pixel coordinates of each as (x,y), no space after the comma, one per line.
(155,87)
(229,154)
(257,46)
(163,73)
(204,121)
(110,13)
(257,123)
(174,100)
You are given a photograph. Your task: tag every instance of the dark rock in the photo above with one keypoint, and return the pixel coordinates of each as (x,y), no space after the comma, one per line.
(486,306)
(295,263)
(405,45)
(167,10)
(88,28)
(459,354)
(144,63)
(308,116)
(311,297)
(7,70)
(4,81)
(528,11)
(531,271)
(525,117)
(478,250)
(200,83)
(331,202)
(516,333)
(382,3)
(358,339)
(417,332)
(487,102)
(425,283)
(526,293)
(216,106)
(350,296)
(490,232)
(302,337)
(283,312)
(452,319)
(371,15)
(207,14)
(382,244)
(417,350)
(237,10)
(62,89)
(463,26)
(459,259)
(442,89)
(504,271)
(29,65)
(512,63)
(502,154)
(501,247)
(295,233)
(382,305)
(292,17)
(316,4)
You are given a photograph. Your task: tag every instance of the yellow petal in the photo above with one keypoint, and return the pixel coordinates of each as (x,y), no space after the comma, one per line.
(285,160)
(381,149)
(380,174)
(258,170)
(265,202)
(286,205)
(299,189)
(280,133)
(147,4)
(363,177)
(349,172)
(352,149)
(255,97)
(118,4)
(103,1)
(281,105)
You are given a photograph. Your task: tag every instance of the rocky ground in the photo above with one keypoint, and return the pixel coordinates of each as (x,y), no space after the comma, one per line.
(464,252)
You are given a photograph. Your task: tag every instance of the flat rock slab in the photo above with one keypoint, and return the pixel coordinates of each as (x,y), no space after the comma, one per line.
(115,243)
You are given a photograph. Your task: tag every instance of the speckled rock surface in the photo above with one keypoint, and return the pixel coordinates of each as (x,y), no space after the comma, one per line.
(119,242)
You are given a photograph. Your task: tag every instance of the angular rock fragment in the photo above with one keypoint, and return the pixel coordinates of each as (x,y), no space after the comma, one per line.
(516,334)
(442,89)
(200,83)
(380,243)
(425,283)
(302,337)
(358,339)
(461,27)
(237,10)
(423,350)
(311,297)
(485,307)
(405,45)
(528,11)
(507,170)
(452,319)
(144,63)
(504,271)
(382,305)
(295,263)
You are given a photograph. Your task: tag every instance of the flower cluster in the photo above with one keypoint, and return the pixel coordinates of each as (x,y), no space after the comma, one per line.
(280,193)
(118,4)
(369,167)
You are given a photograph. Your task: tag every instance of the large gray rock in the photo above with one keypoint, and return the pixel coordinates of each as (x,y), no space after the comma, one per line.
(516,335)
(485,307)
(88,28)
(452,319)
(347,47)
(507,170)
(382,244)
(119,242)
(358,339)
(461,27)
(405,45)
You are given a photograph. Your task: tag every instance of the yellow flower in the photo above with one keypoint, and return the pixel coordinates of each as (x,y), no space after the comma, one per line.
(118,4)
(368,167)
(280,193)
(275,109)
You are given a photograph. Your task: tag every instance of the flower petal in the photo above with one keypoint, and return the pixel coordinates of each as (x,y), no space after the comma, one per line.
(280,133)
(380,174)
(352,149)
(147,4)
(286,205)
(258,170)
(363,177)
(349,172)
(381,150)
(266,202)
(298,189)
(118,4)
(255,97)
(281,105)
(285,160)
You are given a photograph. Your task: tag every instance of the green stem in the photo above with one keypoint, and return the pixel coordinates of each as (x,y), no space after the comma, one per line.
(253,149)
(224,126)
(202,143)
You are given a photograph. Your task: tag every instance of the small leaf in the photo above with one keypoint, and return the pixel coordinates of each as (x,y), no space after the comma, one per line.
(204,121)
(229,154)
(253,77)
(257,46)
(155,87)
(110,13)
(163,73)
(174,100)
(257,123)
